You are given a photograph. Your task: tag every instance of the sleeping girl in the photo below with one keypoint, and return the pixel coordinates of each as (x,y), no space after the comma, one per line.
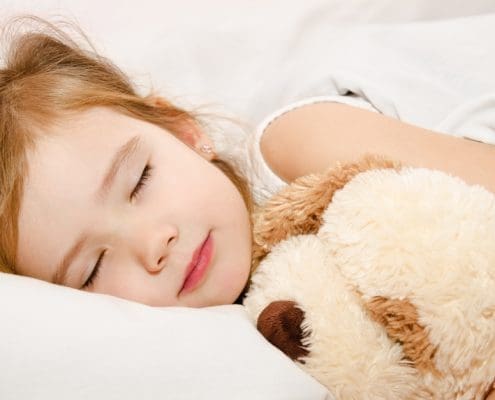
(109,191)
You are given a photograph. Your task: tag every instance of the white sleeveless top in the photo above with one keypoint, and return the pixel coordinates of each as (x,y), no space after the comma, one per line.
(439,75)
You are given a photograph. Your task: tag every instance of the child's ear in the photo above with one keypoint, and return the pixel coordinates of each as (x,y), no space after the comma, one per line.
(189,132)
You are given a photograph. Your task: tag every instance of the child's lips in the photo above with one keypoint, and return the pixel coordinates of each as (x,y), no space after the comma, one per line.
(198,266)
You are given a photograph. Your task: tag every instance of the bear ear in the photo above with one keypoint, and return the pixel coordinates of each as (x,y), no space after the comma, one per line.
(298,208)
(491,392)
(400,319)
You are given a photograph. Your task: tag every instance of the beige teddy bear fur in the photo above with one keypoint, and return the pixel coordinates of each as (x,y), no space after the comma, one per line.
(379,280)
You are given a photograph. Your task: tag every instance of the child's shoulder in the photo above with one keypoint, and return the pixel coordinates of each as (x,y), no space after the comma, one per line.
(298,139)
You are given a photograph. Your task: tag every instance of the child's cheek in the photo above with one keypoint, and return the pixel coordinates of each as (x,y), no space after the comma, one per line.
(232,281)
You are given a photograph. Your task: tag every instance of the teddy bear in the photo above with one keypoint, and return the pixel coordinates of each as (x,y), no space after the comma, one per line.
(379,280)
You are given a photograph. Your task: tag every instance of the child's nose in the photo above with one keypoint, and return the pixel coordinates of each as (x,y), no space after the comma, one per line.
(154,248)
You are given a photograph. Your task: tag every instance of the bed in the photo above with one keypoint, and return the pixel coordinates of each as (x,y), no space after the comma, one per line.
(59,343)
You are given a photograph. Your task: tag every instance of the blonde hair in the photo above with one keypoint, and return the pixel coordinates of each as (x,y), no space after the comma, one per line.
(46,74)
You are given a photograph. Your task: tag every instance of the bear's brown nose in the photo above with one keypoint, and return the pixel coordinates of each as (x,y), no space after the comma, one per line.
(280,323)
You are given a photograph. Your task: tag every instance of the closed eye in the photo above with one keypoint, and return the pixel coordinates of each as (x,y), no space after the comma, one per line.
(135,192)
(142,181)
(94,273)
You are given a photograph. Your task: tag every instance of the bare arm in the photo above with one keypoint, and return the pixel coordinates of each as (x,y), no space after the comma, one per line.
(312,137)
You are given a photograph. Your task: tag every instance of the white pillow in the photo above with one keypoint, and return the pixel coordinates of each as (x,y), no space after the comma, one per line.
(61,343)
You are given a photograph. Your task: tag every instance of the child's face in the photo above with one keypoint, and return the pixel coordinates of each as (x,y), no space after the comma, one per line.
(148,241)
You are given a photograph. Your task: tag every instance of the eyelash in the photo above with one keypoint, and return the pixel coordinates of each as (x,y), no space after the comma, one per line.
(94,273)
(141,183)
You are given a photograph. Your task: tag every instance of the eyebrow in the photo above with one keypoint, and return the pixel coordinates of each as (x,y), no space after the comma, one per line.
(121,157)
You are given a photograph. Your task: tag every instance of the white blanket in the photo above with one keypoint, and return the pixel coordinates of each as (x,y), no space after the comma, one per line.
(436,74)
